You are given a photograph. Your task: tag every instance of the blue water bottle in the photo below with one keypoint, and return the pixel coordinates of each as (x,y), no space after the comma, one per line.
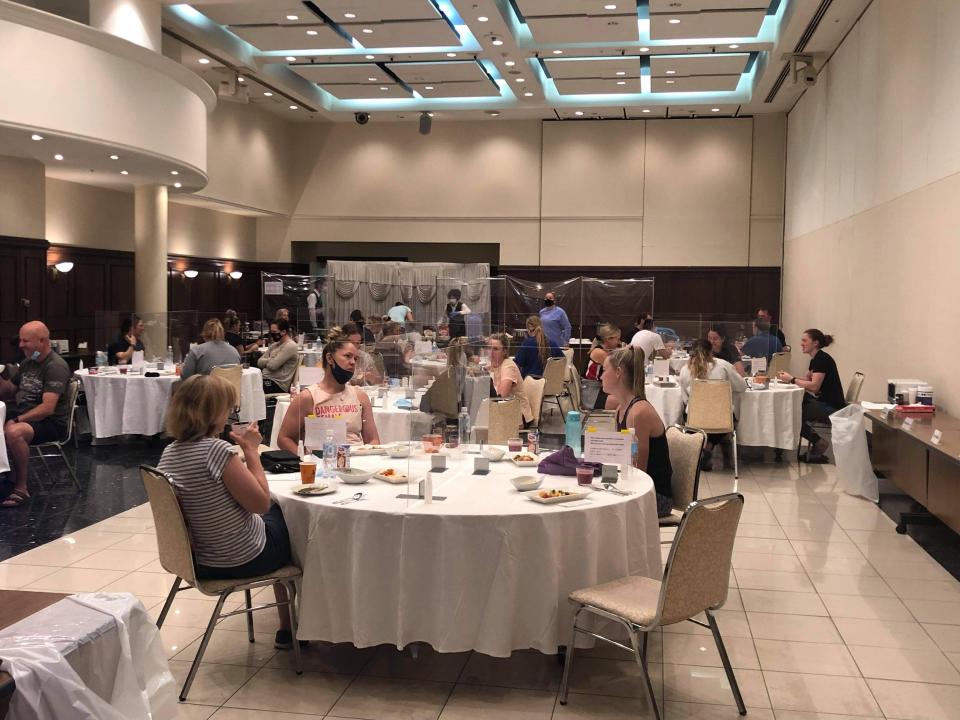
(572,429)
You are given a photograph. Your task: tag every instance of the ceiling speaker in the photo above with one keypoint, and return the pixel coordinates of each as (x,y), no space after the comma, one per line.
(425,123)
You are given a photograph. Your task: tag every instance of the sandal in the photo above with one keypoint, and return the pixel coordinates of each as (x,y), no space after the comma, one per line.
(14,499)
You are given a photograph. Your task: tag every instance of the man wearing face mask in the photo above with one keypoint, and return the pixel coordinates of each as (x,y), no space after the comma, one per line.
(454,314)
(40,410)
(279,362)
(556,324)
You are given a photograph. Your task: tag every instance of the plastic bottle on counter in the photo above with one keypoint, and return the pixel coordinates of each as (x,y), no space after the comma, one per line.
(573,432)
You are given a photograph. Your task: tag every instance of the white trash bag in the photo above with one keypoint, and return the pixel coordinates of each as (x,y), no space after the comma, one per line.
(849,439)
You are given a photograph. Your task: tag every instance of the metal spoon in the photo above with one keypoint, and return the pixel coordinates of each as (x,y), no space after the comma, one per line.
(616,490)
(354,498)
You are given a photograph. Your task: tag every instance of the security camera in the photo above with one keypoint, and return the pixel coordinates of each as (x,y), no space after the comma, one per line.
(362,118)
(809,76)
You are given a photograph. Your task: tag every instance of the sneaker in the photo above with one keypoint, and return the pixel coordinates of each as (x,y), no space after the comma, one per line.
(283,640)
(818,452)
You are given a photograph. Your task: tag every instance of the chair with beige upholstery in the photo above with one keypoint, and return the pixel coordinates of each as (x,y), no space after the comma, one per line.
(73,392)
(779,362)
(176,557)
(506,417)
(853,389)
(710,408)
(695,580)
(233,374)
(686,444)
(533,389)
(554,376)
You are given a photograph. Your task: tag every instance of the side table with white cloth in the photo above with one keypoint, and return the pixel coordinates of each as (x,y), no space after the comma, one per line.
(128,404)
(771,417)
(4,463)
(486,569)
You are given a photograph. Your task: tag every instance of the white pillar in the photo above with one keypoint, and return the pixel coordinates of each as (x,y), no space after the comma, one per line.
(135,20)
(150,264)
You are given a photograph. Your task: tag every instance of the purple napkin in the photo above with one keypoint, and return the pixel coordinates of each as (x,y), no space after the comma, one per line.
(564,462)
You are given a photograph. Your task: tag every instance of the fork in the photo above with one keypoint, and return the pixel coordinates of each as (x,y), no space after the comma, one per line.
(616,491)
(357,497)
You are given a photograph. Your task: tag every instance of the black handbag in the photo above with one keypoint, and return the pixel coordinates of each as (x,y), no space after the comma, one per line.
(279,461)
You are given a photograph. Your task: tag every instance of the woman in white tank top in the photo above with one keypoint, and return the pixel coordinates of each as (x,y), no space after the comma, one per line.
(333,397)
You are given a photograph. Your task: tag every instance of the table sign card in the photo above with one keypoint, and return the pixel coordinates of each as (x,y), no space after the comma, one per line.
(481,466)
(315,431)
(137,359)
(438,463)
(758,366)
(610,473)
(661,368)
(273,287)
(936,437)
(611,448)
(908,424)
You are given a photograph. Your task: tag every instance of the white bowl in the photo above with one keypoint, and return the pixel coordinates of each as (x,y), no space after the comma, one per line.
(527,482)
(354,476)
(493,453)
(398,451)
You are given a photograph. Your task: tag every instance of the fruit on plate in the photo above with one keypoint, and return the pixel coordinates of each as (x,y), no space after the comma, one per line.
(553,493)
(523,457)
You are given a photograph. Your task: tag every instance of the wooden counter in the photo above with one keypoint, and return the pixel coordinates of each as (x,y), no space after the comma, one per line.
(928,472)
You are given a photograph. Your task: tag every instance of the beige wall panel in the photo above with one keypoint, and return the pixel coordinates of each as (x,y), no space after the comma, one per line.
(89,216)
(22,198)
(805,162)
(592,243)
(207,233)
(697,192)
(769,162)
(468,170)
(843,116)
(593,169)
(766,241)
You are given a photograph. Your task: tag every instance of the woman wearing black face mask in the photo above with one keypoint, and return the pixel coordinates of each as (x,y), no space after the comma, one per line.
(332,397)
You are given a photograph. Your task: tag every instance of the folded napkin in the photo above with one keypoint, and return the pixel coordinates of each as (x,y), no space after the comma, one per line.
(403,404)
(564,462)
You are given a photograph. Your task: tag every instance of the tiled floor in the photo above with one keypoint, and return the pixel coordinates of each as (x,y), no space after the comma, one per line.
(831,614)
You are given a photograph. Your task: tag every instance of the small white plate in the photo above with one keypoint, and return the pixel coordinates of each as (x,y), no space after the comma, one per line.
(569,497)
(395,479)
(313,489)
(525,463)
(368,450)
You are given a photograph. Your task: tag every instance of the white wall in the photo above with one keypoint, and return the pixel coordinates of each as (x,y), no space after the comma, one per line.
(93,217)
(632,192)
(873,156)
(21,198)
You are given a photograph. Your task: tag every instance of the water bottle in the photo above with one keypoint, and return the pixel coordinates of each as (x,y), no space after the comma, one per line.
(168,359)
(572,428)
(101,359)
(329,456)
(463,426)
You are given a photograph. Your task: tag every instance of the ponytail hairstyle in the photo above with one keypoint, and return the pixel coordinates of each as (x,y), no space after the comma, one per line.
(604,330)
(645,321)
(701,359)
(348,329)
(336,339)
(535,328)
(819,338)
(630,361)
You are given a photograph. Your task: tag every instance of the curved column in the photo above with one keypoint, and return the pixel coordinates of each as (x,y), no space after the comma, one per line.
(150,261)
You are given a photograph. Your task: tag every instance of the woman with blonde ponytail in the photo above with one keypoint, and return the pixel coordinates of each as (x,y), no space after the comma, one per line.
(606,341)
(536,349)
(623,380)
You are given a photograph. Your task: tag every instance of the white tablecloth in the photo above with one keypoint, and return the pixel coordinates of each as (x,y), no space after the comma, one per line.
(4,464)
(666,401)
(487,569)
(136,405)
(770,418)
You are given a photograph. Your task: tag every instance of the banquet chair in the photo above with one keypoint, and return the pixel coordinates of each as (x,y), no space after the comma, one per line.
(710,408)
(533,388)
(176,557)
(56,446)
(554,375)
(779,362)
(852,396)
(443,396)
(686,444)
(694,581)
(506,417)
(233,374)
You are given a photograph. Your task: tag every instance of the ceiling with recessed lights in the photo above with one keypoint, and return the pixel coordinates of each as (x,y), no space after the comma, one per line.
(328,59)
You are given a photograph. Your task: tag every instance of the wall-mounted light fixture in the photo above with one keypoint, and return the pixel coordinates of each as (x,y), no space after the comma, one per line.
(190,274)
(63,266)
(236,274)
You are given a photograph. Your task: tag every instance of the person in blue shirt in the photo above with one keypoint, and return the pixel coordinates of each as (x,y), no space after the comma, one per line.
(535,349)
(762,344)
(556,325)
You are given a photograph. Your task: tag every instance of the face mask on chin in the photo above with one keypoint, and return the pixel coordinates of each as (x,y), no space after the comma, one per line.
(35,355)
(341,375)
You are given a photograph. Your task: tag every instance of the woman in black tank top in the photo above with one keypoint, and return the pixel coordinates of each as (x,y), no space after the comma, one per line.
(623,379)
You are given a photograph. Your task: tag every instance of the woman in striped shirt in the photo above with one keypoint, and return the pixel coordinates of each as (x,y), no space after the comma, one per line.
(222,499)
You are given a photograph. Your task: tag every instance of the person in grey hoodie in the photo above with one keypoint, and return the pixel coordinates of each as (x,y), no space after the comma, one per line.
(213,352)
(279,362)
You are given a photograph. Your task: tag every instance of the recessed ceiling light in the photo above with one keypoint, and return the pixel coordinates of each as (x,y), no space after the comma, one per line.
(621,73)
(268,94)
(645,110)
(493,113)
(621,82)
(644,49)
(174,172)
(733,47)
(368,31)
(428,87)
(240,79)
(497,41)
(384,88)
(291,58)
(114,157)
(204,61)
(528,94)
(482,18)
(58,156)
(520,80)
(311,32)
(558,52)
(294,107)
(369,57)
(610,7)
(671,72)
(178,185)
(451,54)
(349,16)
(372,79)
(671,82)
(578,113)
(510,63)
(36,137)
(293,17)
(674,21)
(124,172)
(714,109)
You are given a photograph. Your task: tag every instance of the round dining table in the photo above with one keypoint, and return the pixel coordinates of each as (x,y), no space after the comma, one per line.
(484,569)
(134,404)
